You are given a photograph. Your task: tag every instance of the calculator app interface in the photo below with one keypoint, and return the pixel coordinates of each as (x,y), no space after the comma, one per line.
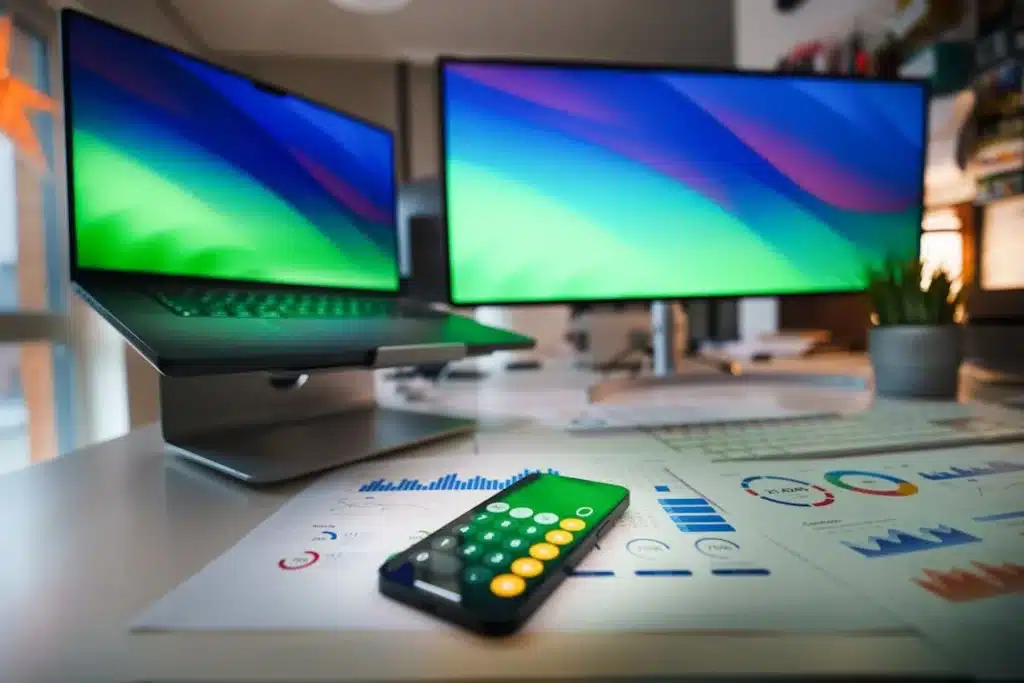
(491,558)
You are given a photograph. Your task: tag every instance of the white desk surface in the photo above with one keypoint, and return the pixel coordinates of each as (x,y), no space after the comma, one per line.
(93,538)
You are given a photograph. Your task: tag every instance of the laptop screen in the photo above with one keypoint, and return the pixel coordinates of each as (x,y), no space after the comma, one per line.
(184,169)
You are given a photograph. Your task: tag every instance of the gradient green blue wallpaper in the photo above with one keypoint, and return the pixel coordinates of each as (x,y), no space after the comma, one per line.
(577,183)
(184,169)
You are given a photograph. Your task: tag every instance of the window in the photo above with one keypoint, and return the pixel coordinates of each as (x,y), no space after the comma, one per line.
(36,421)
(942,245)
(1002,267)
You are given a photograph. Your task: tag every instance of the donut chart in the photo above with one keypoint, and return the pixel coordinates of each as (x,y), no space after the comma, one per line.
(306,559)
(870,483)
(786,491)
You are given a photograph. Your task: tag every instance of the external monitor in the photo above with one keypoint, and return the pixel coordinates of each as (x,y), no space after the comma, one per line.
(576,182)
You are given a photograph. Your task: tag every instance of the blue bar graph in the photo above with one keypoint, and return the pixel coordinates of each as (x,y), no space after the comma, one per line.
(698,519)
(663,572)
(693,515)
(704,528)
(740,572)
(690,509)
(1000,517)
(448,482)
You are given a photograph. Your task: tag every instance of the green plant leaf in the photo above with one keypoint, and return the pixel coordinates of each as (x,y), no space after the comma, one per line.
(898,297)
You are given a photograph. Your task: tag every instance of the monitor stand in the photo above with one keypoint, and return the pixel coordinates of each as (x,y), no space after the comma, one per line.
(266,428)
(672,368)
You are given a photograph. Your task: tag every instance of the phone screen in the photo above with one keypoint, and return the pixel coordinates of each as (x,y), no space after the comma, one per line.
(493,559)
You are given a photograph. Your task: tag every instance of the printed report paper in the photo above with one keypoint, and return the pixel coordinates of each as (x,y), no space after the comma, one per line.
(938,537)
(675,561)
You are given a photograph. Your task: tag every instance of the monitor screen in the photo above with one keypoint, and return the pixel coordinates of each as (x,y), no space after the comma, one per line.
(571,182)
(181,168)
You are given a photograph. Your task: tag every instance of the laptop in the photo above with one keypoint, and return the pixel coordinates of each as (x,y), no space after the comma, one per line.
(225,226)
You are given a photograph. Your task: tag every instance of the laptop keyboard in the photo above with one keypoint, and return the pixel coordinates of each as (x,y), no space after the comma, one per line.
(222,303)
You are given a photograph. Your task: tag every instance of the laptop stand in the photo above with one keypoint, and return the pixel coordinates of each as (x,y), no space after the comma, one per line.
(265,428)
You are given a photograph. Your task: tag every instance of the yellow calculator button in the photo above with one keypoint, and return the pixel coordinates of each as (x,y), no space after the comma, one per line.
(527,567)
(572,524)
(543,551)
(558,537)
(507,585)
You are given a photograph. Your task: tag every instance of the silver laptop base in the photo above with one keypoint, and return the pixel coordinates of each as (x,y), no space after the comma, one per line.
(265,429)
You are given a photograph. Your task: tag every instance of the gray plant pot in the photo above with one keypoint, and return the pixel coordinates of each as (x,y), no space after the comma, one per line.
(916,361)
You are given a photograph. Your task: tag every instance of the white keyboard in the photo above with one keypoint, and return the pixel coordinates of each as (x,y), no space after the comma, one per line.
(880,429)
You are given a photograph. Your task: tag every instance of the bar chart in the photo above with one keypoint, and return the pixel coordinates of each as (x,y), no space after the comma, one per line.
(448,482)
(693,515)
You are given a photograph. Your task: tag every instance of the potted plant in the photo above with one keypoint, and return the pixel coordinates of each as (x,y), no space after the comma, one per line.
(916,343)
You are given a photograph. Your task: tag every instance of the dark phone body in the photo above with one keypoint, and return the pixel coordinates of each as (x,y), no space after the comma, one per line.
(509,621)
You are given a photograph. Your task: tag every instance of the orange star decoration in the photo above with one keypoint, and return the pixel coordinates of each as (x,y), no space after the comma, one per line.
(16,100)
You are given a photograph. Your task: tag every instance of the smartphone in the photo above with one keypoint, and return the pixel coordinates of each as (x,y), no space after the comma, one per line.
(491,568)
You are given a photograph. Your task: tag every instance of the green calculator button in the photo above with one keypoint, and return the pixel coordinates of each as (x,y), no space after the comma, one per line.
(471,551)
(442,564)
(481,517)
(516,545)
(477,575)
(462,529)
(533,531)
(506,524)
(497,559)
(447,543)
(490,537)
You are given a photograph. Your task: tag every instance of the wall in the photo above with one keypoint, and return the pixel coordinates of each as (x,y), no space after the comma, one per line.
(424,133)
(763,34)
(363,88)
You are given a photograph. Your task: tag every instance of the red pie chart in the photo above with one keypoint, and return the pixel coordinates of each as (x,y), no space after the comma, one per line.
(306,559)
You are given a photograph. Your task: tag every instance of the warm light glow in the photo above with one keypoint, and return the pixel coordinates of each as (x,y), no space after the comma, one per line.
(941,219)
(1002,267)
(942,250)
